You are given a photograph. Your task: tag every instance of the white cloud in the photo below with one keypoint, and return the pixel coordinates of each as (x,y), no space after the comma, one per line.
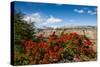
(54,26)
(91,12)
(86,10)
(79,11)
(35,17)
(41,20)
(26,18)
(52,20)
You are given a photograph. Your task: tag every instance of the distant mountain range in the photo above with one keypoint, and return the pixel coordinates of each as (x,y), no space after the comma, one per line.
(71,27)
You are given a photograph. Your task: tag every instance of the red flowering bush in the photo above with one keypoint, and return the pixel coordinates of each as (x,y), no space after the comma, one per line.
(64,48)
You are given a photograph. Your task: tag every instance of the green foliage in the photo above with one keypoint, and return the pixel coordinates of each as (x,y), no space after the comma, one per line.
(22,31)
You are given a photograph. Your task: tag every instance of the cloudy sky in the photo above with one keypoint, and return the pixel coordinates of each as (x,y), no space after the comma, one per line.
(57,15)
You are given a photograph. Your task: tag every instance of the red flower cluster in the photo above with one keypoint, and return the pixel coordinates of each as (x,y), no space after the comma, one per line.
(87,42)
(50,51)
(67,37)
